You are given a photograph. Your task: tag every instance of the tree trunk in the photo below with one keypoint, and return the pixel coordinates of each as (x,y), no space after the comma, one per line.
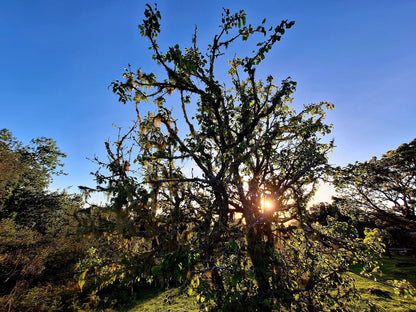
(260,257)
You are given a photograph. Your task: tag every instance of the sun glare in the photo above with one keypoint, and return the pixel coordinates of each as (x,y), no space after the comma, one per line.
(267,205)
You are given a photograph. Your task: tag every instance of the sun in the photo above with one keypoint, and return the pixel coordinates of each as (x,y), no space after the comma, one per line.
(267,205)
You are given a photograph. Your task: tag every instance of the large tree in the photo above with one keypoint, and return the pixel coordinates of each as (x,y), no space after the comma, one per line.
(221,193)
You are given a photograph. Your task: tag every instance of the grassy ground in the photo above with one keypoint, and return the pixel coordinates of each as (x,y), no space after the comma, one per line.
(172,300)
(379,295)
(399,268)
(375,295)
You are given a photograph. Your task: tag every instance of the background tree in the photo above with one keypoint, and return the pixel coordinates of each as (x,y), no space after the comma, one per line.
(28,170)
(384,189)
(385,185)
(38,245)
(246,145)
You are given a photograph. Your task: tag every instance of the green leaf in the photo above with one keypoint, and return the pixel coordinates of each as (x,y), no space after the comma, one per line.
(81,279)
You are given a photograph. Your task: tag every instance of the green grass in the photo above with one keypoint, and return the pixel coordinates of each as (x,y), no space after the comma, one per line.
(374,295)
(172,300)
(385,300)
(398,268)
(379,294)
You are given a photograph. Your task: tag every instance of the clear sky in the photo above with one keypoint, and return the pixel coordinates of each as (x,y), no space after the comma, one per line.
(58,57)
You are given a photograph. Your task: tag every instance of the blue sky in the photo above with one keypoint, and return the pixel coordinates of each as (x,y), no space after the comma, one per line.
(58,57)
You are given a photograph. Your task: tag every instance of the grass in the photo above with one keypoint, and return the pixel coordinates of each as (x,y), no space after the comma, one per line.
(399,268)
(172,300)
(375,295)
(378,295)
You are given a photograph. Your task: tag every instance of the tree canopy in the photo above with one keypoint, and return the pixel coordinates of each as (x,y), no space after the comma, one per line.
(190,189)
(25,173)
(38,246)
(387,184)
(384,190)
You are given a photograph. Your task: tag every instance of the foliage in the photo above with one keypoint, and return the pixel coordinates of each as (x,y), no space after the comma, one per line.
(319,212)
(37,270)
(26,172)
(118,266)
(403,288)
(38,243)
(374,295)
(387,184)
(246,145)
(383,189)
(41,159)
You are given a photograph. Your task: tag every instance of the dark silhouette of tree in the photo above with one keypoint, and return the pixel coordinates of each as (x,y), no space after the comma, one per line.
(385,185)
(384,190)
